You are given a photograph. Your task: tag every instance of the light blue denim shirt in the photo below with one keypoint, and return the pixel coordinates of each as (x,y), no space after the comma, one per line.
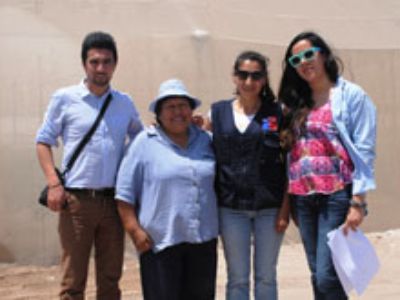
(70,114)
(354,115)
(172,188)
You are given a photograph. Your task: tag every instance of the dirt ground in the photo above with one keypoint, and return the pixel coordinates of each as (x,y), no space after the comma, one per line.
(34,282)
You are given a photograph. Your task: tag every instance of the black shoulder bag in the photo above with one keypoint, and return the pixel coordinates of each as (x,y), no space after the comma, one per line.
(82,144)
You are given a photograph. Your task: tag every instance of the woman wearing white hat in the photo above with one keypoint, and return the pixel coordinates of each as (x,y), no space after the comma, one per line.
(166,199)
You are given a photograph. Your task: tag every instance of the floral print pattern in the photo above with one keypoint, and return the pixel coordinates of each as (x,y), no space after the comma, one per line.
(318,162)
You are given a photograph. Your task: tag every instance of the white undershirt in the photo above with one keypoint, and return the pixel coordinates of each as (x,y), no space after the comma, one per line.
(242,121)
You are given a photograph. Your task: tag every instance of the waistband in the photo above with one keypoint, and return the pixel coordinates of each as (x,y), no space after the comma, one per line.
(107,192)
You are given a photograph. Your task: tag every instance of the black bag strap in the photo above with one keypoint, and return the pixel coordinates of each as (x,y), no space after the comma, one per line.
(88,135)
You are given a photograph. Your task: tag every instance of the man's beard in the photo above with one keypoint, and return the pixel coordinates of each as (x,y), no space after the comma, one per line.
(101,80)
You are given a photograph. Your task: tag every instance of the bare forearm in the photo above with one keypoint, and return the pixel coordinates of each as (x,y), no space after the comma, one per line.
(140,238)
(46,161)
(56,196)
(285,209)
(128,217)
(282,220)
(360,198)
(207,124)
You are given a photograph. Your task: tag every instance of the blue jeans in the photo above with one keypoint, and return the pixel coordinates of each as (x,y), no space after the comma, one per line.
(317,215)
(239,229)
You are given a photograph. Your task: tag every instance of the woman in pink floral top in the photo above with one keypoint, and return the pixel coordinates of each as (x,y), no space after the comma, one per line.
(330,135)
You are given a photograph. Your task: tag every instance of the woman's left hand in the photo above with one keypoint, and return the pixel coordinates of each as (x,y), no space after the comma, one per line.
(282,223)
(355,216)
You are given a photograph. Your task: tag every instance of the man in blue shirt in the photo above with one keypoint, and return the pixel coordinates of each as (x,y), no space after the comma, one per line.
(87,213)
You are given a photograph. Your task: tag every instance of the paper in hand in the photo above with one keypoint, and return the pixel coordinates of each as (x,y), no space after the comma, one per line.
(354,259)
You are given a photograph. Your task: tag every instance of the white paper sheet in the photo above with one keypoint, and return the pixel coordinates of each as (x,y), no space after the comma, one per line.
(354,259)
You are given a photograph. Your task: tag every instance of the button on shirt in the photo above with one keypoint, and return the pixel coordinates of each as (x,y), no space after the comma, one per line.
(70,114)
(171,187)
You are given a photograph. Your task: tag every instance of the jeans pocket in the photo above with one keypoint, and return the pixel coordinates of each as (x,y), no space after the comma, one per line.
(337,205)
(341,197)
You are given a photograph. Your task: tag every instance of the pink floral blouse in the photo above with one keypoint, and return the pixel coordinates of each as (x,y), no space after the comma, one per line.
(318,162)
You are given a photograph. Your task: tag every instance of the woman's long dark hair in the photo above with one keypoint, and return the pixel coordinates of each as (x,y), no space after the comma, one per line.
(266,93)
(295,93)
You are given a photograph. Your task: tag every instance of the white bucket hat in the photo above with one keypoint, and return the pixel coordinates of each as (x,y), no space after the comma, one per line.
(171,88)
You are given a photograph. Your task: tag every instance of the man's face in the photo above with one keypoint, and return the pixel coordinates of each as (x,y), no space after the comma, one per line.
(99,67)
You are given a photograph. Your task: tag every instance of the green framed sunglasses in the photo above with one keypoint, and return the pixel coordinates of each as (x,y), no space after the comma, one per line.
(307,54)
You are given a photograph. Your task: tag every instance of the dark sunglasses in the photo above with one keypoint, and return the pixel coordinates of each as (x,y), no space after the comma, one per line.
(308,55)
(243,75)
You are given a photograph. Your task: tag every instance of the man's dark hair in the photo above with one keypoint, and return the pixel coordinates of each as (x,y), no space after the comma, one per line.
(101,40)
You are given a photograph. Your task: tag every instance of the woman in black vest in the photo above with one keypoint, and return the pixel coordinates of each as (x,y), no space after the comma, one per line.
(250,179)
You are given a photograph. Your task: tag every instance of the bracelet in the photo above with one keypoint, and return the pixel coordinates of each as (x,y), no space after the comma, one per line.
(54,185)
(362,205)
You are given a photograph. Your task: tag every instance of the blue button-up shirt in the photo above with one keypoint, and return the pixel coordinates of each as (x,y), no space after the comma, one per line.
(354,115)
(171,187)
(70,114)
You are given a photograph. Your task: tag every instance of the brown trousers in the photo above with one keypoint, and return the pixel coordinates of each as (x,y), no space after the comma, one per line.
(91,221)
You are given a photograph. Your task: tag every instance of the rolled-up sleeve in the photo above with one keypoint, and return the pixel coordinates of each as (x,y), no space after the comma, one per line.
(135,125)
(130,174)
(52,124)
(355,117)
(363,136)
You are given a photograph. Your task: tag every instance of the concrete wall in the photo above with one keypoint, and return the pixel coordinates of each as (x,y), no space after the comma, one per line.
(196,41)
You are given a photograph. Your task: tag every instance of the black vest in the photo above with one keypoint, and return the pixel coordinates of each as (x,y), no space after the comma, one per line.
(250,166)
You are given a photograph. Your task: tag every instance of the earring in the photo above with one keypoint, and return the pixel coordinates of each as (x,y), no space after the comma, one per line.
(264,91)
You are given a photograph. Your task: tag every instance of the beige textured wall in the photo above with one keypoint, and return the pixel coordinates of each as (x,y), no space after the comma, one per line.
(40,48)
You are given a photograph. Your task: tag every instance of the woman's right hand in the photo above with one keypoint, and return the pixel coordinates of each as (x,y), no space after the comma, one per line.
(142,240)
(198,120)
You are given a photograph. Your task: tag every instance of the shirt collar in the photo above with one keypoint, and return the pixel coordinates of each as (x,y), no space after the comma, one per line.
(157,131)
(85,93)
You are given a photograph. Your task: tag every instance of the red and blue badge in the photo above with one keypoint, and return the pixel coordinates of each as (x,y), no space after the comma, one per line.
(269,124)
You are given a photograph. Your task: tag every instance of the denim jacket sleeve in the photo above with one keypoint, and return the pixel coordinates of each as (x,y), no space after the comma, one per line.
(355,117)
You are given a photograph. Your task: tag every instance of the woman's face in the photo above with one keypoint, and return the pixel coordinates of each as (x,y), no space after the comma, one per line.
(249,79)
(311,66)
(175,115)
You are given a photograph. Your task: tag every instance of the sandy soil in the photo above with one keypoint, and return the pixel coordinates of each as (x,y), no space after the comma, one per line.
(34,282)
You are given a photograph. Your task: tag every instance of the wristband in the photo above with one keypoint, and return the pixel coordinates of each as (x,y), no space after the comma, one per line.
(362,205)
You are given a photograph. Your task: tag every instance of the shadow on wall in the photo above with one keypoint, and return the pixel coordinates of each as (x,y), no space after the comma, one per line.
(5,255)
